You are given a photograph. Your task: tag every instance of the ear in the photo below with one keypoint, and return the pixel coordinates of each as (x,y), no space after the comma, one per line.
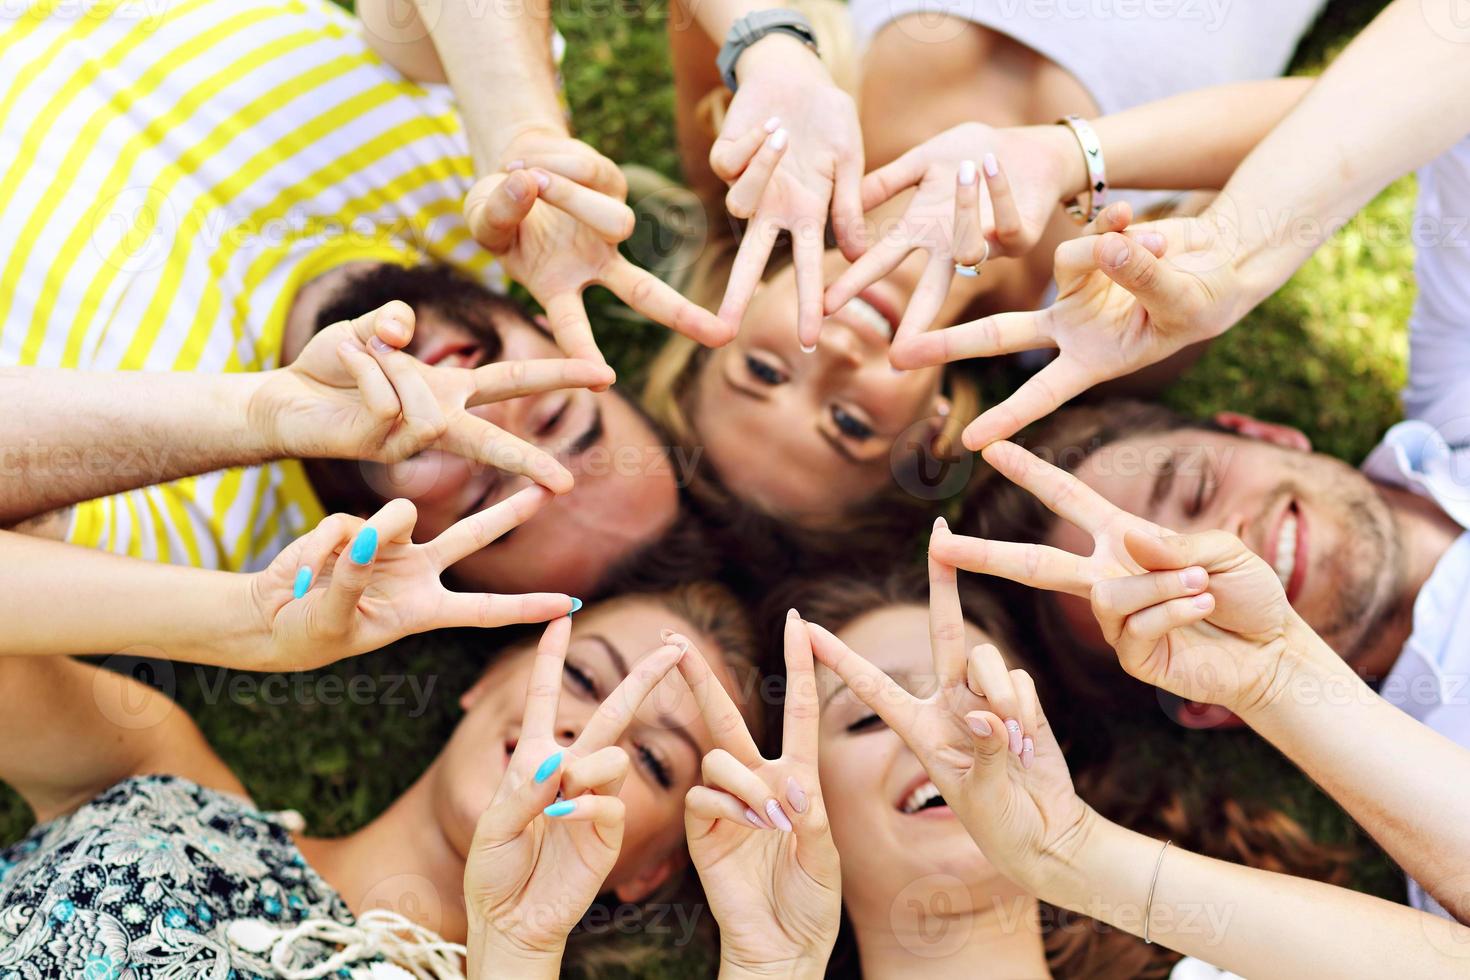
(647,881)
(470,698)
(1253,428)
(936,422)
(1200,717)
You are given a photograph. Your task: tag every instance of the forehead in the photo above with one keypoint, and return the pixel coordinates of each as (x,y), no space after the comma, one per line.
(1129,471)
(632,627)
(895,639)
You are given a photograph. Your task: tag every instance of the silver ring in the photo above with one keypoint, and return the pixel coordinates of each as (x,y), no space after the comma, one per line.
(971,271)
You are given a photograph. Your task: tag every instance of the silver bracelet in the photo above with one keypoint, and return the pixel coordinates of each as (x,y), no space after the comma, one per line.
(1097,171)
(1148,909)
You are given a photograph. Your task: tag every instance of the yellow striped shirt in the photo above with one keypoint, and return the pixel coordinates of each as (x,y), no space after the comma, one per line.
(175,170)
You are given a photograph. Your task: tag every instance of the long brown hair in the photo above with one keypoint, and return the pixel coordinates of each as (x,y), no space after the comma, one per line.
(1076,946)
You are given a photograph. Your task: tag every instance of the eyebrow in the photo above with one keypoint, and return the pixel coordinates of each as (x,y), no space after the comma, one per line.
(1164,483)
(750,393)
(620,662)
(591,437)
(906,679)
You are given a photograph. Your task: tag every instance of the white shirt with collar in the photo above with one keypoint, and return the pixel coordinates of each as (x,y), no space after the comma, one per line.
(1429,454)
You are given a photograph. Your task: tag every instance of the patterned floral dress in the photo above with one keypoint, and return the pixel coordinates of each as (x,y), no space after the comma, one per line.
(143,883)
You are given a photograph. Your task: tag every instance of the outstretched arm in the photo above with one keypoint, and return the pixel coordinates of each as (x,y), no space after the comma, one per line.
(71,436)
(348,587)
(1023,811)
(1204,618)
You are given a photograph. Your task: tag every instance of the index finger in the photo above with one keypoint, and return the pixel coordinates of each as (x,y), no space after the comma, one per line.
(476,439)
(544,690)
(647,294)
(1043,393)
(1036,565)
(469,535)
(1062,493)
(570,327)
(803,709)
(808,245)
(750,264)
(946,618)
(724,719)
(512,379)
(610,218)
(871,686)
(613,715)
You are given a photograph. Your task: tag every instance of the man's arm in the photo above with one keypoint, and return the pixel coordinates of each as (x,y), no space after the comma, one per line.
(498,61)
(69,436)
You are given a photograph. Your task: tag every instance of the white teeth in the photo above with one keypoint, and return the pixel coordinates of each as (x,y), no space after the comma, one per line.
(1286,549)
(919,797)
(862,310)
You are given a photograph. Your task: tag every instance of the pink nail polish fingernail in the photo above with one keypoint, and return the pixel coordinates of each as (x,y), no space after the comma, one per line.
(979,726)
(796,796)
(1028,752)
(967,173)
(1014,728)
(378,345)
(773,124)
(778,816)
(754,819)
(779,138)
(992,166)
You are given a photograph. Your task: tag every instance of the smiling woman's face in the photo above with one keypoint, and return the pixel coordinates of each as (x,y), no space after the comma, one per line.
(891,826)
(665,743)
(802,434)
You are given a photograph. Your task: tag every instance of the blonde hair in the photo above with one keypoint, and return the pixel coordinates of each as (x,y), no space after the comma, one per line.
(668,385)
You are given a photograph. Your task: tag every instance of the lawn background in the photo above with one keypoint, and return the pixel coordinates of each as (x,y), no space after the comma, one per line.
(1326,354)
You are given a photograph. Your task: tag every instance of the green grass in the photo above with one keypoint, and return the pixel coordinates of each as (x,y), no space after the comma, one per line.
(1326,354)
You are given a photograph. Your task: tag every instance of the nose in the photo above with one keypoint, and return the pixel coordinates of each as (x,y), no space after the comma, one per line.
(841,343)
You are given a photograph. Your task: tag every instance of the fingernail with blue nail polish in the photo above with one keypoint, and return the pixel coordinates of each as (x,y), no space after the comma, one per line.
(560,808)
(576,606)
(303,582)
(366,545)
(544,771)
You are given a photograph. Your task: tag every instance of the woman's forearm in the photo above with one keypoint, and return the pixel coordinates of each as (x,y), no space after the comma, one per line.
(1255,923)
(58,599)
(1406,784)
(1192,141)
(69,436)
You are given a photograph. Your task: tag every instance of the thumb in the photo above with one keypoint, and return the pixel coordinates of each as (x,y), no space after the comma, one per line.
(1128,263)
(496,206)
(505,819)
(391,324)
(1211,550)
(991,745)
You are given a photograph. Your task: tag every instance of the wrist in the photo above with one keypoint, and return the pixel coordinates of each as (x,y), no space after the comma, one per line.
(264,401)
(1063,874)
(808,967)
(1307,672)
(781,54)
(495,954)
(1062,148)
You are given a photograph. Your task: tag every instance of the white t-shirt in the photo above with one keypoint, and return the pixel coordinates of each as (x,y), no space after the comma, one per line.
(1128,52)
(174,170)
